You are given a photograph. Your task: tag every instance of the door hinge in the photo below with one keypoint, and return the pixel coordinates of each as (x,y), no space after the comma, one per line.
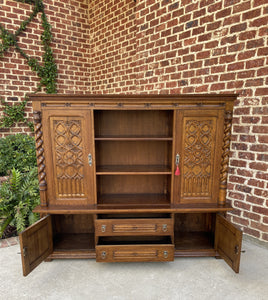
(24,251)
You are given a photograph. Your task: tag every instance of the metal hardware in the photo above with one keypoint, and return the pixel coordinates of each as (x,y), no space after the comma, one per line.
(177,159)
(103,254)
(103,228)
(24,251)
(164,227)
(90,159)
(236,249)
(165,254)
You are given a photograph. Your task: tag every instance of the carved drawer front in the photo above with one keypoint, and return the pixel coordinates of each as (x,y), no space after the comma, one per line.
(120,227)
(134,253)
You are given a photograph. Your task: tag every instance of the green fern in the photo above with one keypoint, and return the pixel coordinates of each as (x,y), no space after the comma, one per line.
(18,197)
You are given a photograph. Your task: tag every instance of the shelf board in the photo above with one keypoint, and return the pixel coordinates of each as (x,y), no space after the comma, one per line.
(132,138)
(136,200)
(133,170)
(156,207)
(73,242)
(194,244)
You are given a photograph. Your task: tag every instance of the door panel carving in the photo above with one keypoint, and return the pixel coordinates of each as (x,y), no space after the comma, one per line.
(198,136)
(68,145)
(199,146)
(69,137)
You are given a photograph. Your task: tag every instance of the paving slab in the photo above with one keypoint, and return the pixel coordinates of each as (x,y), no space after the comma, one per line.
(185,278)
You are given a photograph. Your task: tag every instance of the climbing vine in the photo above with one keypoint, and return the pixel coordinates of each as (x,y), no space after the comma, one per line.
(47,72)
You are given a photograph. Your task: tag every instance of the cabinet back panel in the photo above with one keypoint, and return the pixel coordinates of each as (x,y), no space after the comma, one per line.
(73,223)
(133,123)
(133,153)
(131,184)
(203,222)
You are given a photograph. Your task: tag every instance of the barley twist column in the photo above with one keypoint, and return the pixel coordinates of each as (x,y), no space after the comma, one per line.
(225,156)
(40,157)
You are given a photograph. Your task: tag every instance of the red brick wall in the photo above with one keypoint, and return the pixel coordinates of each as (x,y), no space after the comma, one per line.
(187,46)
(210,46)
(70,29)
(113,46)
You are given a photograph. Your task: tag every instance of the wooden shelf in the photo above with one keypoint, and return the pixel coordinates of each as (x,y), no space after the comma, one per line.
(74,241)
(133,170)
(123,208)
(194,244)
(128,200)
(133,138)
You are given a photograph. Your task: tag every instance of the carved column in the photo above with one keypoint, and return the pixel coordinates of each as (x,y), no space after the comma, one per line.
(225,156)
(40,157)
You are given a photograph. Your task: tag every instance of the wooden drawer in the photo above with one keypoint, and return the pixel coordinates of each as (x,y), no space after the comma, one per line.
(121,227)
(134,253)
(131,249)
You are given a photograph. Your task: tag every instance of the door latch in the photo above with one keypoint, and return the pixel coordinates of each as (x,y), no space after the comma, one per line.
(90,159)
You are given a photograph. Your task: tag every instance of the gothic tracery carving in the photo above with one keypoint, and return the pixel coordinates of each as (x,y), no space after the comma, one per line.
(198,147)
(69,157)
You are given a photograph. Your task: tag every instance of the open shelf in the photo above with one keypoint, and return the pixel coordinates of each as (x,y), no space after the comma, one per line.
(194,240)
(134,240)
(125,154)
(133,200)
(132,169)
(74,241)
(133,138)
(143,124)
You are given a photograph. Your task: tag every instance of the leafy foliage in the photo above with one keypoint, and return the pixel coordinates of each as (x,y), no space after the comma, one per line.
(46,72)
(18,197)
(14,114)
(17,151)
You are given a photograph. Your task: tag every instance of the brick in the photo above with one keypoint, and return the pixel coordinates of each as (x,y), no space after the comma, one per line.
(246,55)
(252,232)
(243,188)
(260,129)
(258,166)
(241,7)
(231,20)
(238,27)
(241,221)
(259,22)
(235,66)
(261,92)
(242,205)
(255,43)
(251,216)
(263,51)
(259,226)
(252,14)
(261,192)
(244,172)
(256,63)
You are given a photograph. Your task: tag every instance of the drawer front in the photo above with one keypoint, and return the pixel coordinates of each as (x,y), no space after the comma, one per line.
(120,227)
(134,253)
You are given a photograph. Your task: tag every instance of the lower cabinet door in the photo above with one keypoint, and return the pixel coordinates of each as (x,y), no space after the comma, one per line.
(134,253)
(228,241)
(36,243)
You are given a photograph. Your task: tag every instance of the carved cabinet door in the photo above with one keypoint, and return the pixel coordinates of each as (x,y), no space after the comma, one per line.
(198,152)
(69,156)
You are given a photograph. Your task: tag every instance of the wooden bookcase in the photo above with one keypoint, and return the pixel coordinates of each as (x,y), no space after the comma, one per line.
(132,178)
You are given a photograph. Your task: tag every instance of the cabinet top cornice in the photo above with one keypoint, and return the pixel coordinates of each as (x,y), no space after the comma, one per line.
(132,97)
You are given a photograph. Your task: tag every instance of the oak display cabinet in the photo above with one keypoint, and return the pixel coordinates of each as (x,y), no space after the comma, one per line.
(127,178)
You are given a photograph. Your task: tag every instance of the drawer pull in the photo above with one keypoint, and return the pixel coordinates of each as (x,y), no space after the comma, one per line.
(103,228)
(103,254)
(165,254)
(164,227)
